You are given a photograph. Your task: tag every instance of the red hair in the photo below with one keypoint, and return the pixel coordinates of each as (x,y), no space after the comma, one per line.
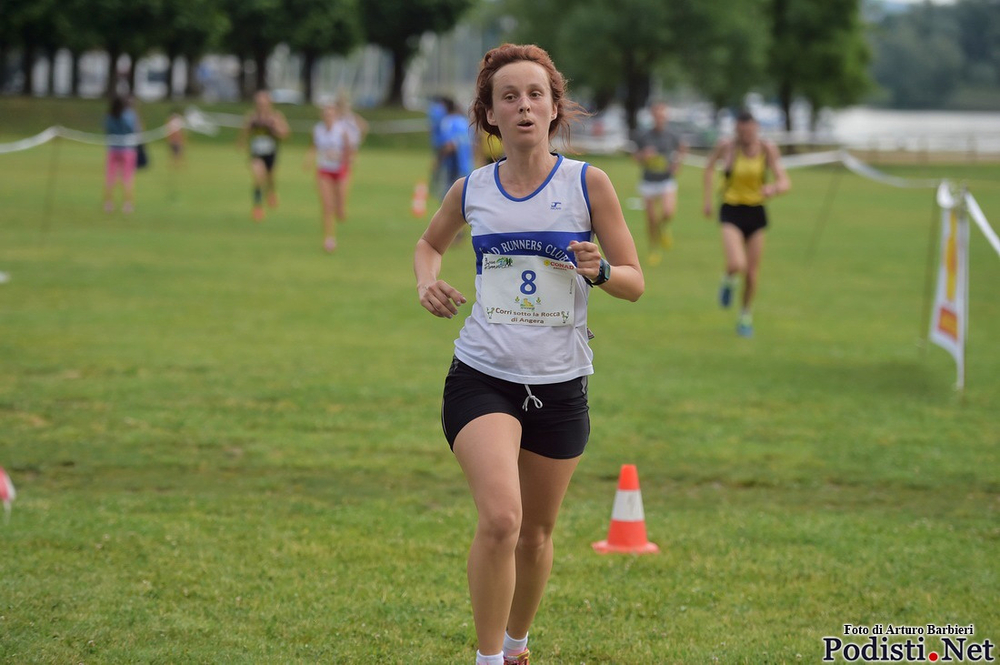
(567,111)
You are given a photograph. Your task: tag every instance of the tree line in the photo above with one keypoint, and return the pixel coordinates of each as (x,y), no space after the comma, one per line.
(190,29)
(615,48)
(830,53)
(810,49)
(939,56)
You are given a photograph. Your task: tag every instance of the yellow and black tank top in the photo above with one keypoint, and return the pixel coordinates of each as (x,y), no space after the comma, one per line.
(745,179)
(263,140)
(491,148)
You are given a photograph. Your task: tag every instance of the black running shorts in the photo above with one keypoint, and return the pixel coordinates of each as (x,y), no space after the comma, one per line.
(556,424)
(268,160)
(748,219)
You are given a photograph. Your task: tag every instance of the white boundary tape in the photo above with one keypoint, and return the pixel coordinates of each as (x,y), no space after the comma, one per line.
(696,161)
(851,162)
(855,165)
(233,121)
(980,219)
(192,120)
(209,123)
(812,159)
(30,142)
(858,167)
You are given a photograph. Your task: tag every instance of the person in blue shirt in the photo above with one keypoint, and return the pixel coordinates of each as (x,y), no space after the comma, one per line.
(456,144)
(436,112)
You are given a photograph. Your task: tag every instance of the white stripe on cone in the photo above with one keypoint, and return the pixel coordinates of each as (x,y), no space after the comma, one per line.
(628,506)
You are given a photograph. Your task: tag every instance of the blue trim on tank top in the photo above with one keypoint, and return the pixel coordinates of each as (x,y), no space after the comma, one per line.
(548,244)
(465,188)
(496,178)
(586,194)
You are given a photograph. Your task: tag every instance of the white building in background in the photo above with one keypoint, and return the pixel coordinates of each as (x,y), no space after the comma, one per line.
(444,64)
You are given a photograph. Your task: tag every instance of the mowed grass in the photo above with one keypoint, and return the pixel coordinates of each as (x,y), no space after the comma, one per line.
(227,449)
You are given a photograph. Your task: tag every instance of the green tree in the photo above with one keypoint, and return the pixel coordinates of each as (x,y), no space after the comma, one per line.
(125,27)
(256,27)
(611,48)
(42,27)
(31,24)
(56,25)
(189,29)
(722,52)
(322,27)
(918,59)
(979,37)
(617,49)
(8,39)
(79,36)
(397,25)
(818,51)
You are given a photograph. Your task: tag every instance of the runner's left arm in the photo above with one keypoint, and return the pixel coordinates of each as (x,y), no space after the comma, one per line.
(678,161)
(612,232)
(436,295)
(781,182)
(281,128)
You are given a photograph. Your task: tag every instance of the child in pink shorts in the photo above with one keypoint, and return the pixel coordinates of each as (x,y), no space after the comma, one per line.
(121,158)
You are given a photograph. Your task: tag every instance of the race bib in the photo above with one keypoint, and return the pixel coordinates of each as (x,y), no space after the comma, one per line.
(262,145)
(528,290)
(329,160)
(657,164)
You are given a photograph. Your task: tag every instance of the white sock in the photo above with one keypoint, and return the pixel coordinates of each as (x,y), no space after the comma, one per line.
(512,647)
(489,660)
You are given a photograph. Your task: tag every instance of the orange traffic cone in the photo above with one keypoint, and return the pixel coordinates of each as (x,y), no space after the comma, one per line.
(627,532)
(418,205)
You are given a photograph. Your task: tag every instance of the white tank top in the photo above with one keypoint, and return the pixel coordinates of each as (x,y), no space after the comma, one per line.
(330,143)
(541,224)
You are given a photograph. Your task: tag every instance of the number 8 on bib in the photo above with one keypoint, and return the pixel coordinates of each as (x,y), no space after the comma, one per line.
(527,290)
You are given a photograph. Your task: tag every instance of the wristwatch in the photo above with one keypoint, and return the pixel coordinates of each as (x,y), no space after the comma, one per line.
(603,274)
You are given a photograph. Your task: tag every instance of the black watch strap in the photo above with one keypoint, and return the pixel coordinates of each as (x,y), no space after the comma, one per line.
(603,274)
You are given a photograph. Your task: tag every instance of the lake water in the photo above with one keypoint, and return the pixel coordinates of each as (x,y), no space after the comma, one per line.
(933,131)
(858,128)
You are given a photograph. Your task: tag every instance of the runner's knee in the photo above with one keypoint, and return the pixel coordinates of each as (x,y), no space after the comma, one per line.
(735,265)
(500,525)
(535,537)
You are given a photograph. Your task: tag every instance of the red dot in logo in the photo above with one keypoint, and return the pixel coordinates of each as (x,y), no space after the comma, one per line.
(932,656)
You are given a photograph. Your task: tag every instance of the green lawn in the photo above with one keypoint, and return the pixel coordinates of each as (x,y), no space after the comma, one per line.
(227,449)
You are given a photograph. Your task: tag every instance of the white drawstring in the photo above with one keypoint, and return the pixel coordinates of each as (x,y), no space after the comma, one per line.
(531,398)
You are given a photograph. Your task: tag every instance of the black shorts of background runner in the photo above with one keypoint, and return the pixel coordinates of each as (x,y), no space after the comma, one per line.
(748,219)
(268,160)
(558,429)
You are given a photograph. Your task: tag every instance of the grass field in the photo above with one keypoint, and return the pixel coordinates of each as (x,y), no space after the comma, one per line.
(227,450)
